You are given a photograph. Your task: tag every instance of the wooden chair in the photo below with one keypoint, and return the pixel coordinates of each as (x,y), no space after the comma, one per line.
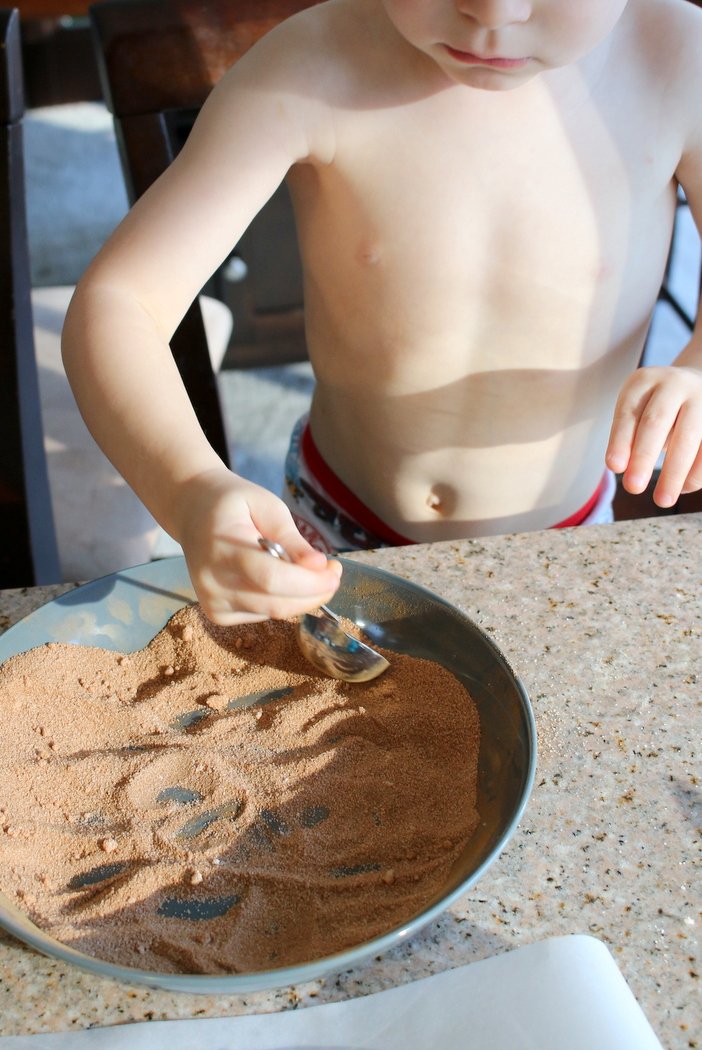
(28,549)
(57,52)
(158,61)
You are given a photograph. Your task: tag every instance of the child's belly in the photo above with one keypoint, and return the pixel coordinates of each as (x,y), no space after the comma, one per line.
(497,450)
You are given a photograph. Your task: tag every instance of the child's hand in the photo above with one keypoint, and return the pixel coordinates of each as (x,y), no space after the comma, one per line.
(659,410)
(221,519)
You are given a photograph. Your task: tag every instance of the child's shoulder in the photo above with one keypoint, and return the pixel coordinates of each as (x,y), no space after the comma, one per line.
(328,55)
(321,33)
(662,47)
(669,12)
(317,46)
(668,31)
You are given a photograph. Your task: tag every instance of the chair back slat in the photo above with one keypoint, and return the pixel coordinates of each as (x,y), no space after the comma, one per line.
(11,90)
(146,146)
(169,54)
(28,549)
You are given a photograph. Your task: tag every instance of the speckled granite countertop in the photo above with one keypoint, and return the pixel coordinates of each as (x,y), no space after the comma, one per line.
(604,627)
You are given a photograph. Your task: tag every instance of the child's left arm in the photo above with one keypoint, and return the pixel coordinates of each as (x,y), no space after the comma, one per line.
(660,409)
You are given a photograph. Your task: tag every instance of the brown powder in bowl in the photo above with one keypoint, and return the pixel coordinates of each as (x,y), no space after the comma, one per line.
(211,804)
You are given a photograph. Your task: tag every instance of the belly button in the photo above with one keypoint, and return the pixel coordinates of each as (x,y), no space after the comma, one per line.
(442,499)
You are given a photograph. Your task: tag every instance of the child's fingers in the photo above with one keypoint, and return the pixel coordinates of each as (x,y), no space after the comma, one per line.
(261,587)
(658,410)
(299,550)
(227,614)
(654,427)
(621,438)
(693,481)
(259,573)
(617,455)
(681,458)
(228,617)
(627,413)
(296,586)
(275,523)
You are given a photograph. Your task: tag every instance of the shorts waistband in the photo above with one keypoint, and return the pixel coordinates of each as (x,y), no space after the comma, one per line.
(580,515)
(345,498)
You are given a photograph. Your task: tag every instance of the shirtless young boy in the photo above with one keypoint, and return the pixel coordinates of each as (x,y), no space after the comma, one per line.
(484,192)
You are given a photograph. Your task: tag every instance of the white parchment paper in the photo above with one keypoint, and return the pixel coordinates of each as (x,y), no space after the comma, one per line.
(565,993)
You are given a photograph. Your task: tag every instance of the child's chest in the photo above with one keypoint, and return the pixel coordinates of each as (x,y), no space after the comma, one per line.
(576,207)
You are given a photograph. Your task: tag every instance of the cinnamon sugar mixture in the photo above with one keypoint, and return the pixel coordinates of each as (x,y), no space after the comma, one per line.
(149,818)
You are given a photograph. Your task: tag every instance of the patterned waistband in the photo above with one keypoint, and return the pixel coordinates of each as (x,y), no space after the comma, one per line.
(345,498)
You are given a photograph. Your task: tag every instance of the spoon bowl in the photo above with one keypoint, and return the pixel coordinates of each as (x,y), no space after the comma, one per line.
(326,644)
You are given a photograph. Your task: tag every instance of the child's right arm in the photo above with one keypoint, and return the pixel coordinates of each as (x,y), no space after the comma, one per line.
(262,118)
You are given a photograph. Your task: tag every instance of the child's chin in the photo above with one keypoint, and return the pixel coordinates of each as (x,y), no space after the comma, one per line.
(490,79)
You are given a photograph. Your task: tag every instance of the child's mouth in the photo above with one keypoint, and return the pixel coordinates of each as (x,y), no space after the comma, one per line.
(476,60)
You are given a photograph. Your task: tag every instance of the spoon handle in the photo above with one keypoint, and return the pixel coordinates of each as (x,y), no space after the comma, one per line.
(276,549)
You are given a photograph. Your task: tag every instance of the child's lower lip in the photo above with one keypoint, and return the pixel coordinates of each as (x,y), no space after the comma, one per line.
(493,63)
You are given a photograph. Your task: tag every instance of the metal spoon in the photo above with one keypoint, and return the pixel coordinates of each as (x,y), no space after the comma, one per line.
(326,645)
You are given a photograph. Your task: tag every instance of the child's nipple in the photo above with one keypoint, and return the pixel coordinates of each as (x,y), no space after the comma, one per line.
(369,253)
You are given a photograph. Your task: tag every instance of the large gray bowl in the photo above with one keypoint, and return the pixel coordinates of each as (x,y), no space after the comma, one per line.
(125,610)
